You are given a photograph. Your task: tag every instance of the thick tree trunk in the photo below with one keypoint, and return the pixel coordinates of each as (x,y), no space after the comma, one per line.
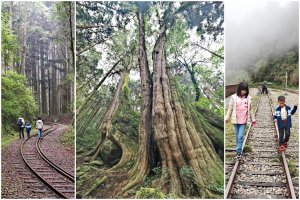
(179,143)
(164,121)
(191,144)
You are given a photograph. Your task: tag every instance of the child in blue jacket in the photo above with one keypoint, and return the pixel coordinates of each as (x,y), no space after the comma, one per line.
(28,129)
(283,116)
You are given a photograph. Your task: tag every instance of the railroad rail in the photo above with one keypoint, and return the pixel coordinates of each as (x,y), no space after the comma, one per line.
(54,178)
(231,89)
(263,172)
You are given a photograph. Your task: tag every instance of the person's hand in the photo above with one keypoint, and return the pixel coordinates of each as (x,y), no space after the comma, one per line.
(275,120)
(254,123)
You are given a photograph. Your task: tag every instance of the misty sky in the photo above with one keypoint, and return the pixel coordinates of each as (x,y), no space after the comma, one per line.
(258,29)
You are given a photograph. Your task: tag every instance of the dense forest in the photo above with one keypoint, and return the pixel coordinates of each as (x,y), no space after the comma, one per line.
(37,60)
(274,69)
(149,99)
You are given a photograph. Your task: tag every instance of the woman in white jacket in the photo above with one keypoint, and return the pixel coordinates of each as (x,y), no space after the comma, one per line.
(240,111)
(39,125)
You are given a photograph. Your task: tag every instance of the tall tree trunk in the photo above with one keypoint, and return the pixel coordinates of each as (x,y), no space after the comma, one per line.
(71,24)
(24,45)
(54,82)
(39,82)
(145,152)
(194,81)
(10,54)
(58,96)
(107,120)
(43,81)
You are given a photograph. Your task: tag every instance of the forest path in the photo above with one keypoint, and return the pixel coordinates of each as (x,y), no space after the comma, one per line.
(17,179)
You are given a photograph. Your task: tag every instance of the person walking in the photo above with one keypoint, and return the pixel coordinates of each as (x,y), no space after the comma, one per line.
(239,110)
(21,124)
(283,117)
(28,129)
(39,125)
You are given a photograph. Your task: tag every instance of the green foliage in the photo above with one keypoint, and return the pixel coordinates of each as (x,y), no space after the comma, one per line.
(177,37)
(156,175)
(126,119)
(88,139)
(149,193)
(216,188)
(7,138)
(9,45)
(68,137)
(186,173)
(274,69)
(292,168)
(17,101)
(206,104)
(157,171)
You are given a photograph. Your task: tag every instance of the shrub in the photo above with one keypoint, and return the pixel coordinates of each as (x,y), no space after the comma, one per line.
(17,101)
(149,193)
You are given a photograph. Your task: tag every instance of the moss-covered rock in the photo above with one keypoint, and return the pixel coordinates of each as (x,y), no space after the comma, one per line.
(150,193)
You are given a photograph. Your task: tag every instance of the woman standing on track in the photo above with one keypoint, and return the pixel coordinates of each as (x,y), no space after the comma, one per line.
(240,111)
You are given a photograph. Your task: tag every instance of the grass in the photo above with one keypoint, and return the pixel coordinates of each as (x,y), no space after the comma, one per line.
(8,138)
(68,138)
(247,149)
(292,168)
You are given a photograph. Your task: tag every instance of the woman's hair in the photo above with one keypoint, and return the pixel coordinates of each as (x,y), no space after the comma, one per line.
(39,118)
(242,86)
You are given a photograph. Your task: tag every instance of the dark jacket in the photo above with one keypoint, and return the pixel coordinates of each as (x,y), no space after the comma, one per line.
(289,112)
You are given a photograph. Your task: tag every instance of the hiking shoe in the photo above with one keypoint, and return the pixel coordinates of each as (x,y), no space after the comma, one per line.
(239,157)
(281,148)
(285,145)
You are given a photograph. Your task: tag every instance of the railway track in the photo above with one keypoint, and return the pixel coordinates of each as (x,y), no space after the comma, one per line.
(263,172)
(55,180)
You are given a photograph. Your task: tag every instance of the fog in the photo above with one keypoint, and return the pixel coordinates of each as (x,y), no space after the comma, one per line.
(255,30)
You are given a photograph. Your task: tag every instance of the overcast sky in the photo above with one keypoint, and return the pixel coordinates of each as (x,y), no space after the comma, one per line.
(257,29)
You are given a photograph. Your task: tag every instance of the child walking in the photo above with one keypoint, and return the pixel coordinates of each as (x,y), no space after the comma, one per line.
(240,111)
(283,116)
(28,129)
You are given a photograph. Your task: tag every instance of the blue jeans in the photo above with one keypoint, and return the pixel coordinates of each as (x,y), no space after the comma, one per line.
(239,136)
(284,134)
(40,133)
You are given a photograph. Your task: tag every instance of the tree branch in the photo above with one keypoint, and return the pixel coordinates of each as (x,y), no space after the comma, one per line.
(215,54)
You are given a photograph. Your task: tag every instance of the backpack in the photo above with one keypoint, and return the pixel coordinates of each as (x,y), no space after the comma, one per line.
(20,123)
